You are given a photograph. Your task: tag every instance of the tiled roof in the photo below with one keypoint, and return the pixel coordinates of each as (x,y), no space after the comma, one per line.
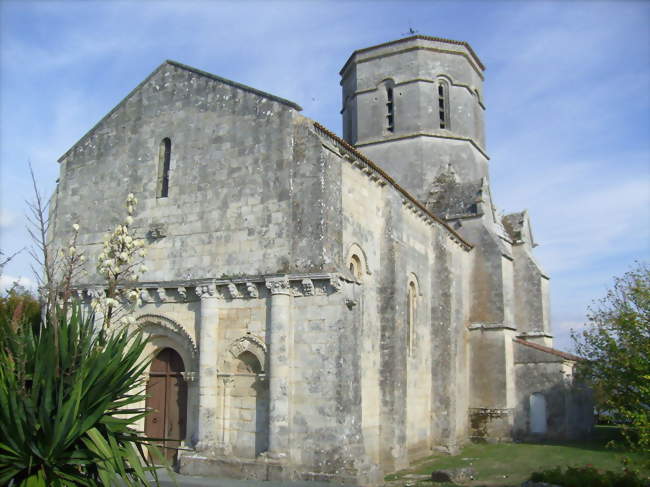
(553,351)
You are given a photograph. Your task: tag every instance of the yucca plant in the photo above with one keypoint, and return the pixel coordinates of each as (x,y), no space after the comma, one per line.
(68,406)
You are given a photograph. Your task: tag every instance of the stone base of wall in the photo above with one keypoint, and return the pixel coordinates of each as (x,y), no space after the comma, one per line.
(491,425)
(270,469)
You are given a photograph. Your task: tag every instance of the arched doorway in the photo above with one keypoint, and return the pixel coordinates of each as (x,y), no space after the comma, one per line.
(167,398)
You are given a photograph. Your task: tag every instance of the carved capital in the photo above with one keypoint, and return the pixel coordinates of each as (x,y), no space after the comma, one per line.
(308,287)
(278,285)
(189,376)
(251,287)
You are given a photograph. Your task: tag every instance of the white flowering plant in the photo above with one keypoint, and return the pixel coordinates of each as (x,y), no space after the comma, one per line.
(121,264)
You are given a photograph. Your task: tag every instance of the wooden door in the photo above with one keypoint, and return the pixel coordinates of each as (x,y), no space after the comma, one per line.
(167,397)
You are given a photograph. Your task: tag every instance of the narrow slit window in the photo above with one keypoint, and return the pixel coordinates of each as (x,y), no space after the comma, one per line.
(390,110)
(443,105)
(164,158)
(411,305)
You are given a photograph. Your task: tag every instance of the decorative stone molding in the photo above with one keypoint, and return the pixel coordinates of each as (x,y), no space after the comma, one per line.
(190,376)
(491,326)
(249,343)
(278,285)
(151,321)
(145,296)
(206,291)
(233,291)
(308,287)
(182,292)
(335,282)
(162,294)
(251,287)
(96,293)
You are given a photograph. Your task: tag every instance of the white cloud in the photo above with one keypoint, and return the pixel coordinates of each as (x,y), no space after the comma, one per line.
(6,282)
(7,218)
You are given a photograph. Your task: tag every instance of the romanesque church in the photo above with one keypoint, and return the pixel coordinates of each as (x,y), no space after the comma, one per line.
(321,307)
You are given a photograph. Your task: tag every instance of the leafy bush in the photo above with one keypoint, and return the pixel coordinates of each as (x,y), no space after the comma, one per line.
(67,406)
(21,305)
(588,476)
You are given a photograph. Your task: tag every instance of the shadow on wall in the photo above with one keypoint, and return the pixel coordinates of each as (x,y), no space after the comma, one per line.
(562,411)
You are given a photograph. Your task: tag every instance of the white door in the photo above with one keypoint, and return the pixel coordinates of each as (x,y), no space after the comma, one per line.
(537,413)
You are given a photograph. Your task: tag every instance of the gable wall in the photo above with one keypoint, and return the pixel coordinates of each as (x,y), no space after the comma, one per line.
(229,195)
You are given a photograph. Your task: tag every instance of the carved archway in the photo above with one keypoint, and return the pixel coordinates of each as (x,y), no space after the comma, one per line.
(161,326)
(249,343)
(165,333)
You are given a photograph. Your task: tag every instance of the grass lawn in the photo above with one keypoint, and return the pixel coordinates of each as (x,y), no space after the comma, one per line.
(518,460)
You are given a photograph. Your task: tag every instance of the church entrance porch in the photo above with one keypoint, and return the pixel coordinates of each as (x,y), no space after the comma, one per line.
(167,398)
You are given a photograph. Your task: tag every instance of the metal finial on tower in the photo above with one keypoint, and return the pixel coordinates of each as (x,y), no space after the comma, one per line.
(411,31)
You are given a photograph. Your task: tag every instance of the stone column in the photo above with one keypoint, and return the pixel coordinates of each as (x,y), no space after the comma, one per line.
(279,366)
(208,381)
(225,447)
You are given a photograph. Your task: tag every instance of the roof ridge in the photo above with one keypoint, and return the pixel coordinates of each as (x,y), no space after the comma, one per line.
(169,62)
(551,350)
(392,182)
(230,82)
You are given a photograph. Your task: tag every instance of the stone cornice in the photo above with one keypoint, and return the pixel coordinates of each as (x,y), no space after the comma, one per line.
(426,134)
(491,327)
(249,287)
(472,57)
(472,91)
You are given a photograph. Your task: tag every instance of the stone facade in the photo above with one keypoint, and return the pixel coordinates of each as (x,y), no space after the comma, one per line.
(342,307)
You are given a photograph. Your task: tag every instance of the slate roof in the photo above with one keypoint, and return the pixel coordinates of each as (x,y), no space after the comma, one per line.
(552,351)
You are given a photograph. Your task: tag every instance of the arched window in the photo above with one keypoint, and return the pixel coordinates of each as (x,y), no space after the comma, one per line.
(411,305)
(390,110)
(443,104)
(355,267)
(164,157)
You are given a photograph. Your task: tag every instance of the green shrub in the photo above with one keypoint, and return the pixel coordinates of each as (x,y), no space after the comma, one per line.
(588,476)
(67,406)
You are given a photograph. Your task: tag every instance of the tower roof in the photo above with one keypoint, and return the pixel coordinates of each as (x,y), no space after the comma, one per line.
(466,45)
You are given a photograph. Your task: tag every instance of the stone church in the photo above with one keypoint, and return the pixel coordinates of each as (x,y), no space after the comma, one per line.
(323,307)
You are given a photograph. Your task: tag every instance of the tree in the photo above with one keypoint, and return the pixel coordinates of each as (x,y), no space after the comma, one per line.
(71,391)
(21,305)
(616,346)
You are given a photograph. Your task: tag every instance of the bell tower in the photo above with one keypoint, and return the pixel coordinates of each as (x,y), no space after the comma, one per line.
(415,107)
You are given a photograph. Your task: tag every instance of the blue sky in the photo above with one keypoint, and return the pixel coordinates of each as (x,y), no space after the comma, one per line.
(567,92)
